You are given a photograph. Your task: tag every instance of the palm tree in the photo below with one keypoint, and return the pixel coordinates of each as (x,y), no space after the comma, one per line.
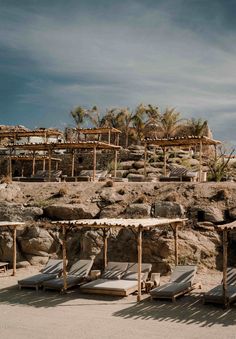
(79,114)
(197,126)
(138,121)
(123,120)
(169,122)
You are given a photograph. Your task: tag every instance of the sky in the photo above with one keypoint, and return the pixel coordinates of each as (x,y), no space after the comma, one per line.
(59,54)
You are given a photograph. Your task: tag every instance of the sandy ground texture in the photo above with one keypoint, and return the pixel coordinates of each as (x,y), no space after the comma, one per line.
(42,315)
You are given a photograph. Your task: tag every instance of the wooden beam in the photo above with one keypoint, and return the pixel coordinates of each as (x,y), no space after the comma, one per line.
(105,236)
(175,230)
(115,163)
(200,161)
(14,250)
(49,164)
(225,254)
(164,152)
(145,159)
(73,163)
(64,257)
(33,164)
(139,262)
(94,162)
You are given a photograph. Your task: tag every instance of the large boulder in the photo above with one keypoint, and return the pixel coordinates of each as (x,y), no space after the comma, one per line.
(37,241)
(9,192)
(168,209)
(209,213)
(112,211)
(126,165)
(110,196)
(232,213)
(138,210)
(6,248)
(18,212)
(71,212)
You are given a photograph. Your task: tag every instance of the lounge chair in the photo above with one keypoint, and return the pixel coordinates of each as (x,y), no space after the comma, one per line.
(181,282)
(215,295)
(78,272)
(180,174)
(120,279)
(51,271)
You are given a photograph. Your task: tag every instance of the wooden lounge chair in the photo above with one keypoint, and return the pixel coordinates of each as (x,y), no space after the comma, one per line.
(180,174)
(51,271)
(181,282)
(119,279)
(78,272)
(215,295)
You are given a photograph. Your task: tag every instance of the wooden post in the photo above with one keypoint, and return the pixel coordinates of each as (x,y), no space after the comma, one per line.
(225,247)
(33,164)
(175,229)
(94,162)
(164,151)
(73,163)
(139,262)
(115,163)
(64,257)
(200,162)
(105,236)
(49,164)
(109,137)
(118,139)
(56,165)
(14,250)
(10,165)
(44,164)
(145,160)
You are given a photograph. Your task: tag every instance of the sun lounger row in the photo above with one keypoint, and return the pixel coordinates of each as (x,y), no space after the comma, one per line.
(121,279)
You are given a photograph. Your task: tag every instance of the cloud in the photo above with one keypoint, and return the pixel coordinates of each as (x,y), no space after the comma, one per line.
(121,56)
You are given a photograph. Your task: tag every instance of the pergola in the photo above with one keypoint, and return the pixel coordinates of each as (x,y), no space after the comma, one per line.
(33,157)
(50,147)
(101,131)
(225,229)
(13,226)
(42,132)
(137,225)
(189,141)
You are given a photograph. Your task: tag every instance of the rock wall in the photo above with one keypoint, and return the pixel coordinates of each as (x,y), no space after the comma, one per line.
(205,205)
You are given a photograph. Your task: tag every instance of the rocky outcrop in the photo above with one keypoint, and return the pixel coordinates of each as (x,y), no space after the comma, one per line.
(138,210)
(71,212)
(168,209)
(9,192)
(19,212)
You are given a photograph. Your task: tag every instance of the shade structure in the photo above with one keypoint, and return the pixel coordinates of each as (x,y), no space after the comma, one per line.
(177,142)
(52,146)
(138,225)
(13,225)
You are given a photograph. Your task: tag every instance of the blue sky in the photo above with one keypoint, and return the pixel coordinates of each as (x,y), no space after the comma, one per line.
(57,54)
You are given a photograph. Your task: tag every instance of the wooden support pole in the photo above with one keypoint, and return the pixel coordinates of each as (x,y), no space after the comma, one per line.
(44,164)
(10,165)
(145,160)
(33,164)
(14,250)
(225,254)
(175,229)
(94,162)
(64,258)
(115,163)
(73,163)
(105,236)
(49,164)
(139,262)
(56,165)
(109,137)
(164,151)
(200,162)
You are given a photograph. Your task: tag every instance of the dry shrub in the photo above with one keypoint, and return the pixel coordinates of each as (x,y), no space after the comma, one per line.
(141,199)
(5,179)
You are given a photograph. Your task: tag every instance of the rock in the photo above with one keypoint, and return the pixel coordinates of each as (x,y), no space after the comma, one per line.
(71,212)
(6,248)
(138,210)
(110,196)
(9,192)
(212,214)
(112,211)
(37,241)
(22,264)
(139,164)
(174,197)
(126,165)
(232,213)
(135,156)
(17,212)
(37,260)
(206,225)
(167,209)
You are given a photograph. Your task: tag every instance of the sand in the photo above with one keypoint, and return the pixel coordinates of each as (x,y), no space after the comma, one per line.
(42,315)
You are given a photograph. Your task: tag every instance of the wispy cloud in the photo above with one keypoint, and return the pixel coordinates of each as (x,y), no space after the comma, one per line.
(135,53)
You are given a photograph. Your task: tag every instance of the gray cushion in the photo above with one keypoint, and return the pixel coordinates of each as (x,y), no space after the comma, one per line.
(109,274)
(170,289)
(134,276)
(36,279)
(183,274)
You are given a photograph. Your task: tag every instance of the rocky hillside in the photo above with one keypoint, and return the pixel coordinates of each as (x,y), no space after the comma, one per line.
(203,204)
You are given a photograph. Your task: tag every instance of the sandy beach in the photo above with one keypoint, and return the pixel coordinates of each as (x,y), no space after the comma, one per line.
(27,314)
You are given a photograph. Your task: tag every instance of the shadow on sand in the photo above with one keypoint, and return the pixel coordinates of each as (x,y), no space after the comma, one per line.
(188,310)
